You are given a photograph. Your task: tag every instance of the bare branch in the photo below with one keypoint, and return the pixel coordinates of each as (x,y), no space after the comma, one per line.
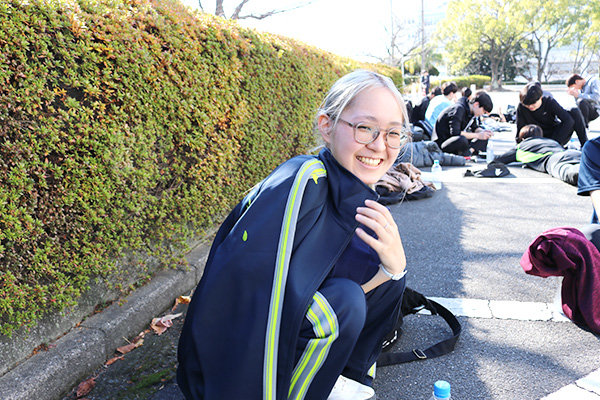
(238,9)
(200,5)
(268,13)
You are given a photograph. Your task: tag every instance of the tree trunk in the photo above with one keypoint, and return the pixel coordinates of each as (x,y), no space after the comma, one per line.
(219,12)
(496,77)
(538,55)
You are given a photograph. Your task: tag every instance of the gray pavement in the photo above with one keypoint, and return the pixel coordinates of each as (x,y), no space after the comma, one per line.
(465,243)
(463,246)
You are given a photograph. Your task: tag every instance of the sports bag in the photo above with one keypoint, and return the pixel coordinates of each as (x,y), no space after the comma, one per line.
(413,302)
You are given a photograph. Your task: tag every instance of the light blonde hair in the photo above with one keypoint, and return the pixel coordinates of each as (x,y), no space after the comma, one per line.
(345,89)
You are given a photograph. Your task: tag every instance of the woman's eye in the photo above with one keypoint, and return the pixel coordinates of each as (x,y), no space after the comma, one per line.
(365,128)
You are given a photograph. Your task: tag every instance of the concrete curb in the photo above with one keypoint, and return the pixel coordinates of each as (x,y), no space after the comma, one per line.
(52,374)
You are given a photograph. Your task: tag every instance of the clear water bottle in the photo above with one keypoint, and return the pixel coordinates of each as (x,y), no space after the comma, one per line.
(573,144)
(489,151)
(436,174)
(441,391)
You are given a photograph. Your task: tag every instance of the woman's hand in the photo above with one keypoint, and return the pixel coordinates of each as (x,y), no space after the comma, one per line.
(388,244)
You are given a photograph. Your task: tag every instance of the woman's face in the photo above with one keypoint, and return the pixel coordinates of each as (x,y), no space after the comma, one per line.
(369,162)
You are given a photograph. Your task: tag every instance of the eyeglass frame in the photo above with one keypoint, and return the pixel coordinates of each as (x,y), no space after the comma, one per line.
(378,131)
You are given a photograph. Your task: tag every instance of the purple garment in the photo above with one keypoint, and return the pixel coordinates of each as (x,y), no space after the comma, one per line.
(566,252)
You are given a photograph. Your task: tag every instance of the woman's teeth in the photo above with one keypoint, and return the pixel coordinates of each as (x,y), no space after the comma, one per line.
(370,161)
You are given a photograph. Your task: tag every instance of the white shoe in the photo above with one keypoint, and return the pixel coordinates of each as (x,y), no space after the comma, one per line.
(347,389)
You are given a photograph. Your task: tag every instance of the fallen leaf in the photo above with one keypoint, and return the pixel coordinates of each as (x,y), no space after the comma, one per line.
(113,360)
(160,325)
(128,347)
(140,335)
(181,300)
(85,387)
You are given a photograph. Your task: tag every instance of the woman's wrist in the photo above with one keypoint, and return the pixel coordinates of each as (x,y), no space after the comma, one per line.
(392,276)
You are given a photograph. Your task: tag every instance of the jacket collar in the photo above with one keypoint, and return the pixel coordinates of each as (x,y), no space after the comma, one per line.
(346,191)
(464,102)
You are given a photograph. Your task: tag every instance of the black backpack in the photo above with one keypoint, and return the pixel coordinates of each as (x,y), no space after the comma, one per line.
(413,302)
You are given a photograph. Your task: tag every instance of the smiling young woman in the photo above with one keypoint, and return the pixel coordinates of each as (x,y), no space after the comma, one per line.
(306,275)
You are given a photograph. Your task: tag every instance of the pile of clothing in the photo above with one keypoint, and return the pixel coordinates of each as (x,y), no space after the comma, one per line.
(403,181)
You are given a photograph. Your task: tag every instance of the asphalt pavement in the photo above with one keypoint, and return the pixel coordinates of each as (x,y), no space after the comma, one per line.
(463,247)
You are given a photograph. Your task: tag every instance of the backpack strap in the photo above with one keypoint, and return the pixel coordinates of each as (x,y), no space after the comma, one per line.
(439,349)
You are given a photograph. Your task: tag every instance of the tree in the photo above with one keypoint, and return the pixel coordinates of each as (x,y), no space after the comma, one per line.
(553,24)
(516,65)
(237,13)
(403,45)
(587,42)
(492,29)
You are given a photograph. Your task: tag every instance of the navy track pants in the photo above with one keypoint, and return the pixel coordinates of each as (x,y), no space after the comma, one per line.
(355,323)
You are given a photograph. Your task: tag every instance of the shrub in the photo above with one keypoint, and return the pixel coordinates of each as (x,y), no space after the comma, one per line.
(134,125)
(464,81)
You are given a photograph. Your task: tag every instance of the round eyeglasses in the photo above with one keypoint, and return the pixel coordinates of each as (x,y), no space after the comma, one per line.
(365,133)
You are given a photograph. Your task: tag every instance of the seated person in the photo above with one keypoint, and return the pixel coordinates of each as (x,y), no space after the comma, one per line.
(545,112)
(587,96)
(440,103)
(544,155)
(589,185)
(455,131)
(418,111)
(466,92)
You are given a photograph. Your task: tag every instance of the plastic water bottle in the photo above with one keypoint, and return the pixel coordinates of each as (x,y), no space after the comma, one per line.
(436,174)
(441,391)
(573,144)
(489,151)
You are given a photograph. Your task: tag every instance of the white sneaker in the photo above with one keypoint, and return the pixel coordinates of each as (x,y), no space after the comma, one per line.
(347,389)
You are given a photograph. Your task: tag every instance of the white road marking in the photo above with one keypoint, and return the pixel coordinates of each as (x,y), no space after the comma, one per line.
(586,388)
(499,309)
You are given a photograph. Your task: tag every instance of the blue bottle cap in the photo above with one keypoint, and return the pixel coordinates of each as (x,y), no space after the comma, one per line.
(441,390)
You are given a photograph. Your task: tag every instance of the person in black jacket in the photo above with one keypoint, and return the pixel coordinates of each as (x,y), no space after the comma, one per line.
(545,112)
(544,155)
(418,112)
(455,131)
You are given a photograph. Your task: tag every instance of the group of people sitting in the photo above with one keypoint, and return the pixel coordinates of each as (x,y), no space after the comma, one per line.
(452,120)
(544,127)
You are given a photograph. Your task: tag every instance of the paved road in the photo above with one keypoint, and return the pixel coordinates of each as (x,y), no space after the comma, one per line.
(463,246)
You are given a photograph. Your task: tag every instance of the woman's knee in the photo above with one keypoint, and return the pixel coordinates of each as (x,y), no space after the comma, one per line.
(347,299)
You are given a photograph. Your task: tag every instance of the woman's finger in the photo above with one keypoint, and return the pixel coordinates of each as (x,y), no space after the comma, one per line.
(379,226)
(372,214)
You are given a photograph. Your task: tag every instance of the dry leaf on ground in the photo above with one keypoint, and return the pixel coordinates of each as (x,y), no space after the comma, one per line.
(160,325)
(181,300)
(85,387)
(128,347)
(113,360)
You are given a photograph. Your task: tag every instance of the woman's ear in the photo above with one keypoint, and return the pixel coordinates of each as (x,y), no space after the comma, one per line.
(325,126)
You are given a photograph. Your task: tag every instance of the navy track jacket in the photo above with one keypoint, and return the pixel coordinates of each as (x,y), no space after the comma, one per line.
(266,263)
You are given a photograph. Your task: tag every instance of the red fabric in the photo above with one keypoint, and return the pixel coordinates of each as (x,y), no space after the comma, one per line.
(566,252)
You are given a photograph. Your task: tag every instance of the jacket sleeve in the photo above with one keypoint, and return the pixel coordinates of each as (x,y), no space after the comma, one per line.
(566,121)
(508,157)
(456,121)
(593,92)
(521,118)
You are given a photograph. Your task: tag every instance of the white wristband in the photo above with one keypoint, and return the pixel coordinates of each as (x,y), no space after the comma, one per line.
(393,277)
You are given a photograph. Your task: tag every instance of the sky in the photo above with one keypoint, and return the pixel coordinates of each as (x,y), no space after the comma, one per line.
(351,28)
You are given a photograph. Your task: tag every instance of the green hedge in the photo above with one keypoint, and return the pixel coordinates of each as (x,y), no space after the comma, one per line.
(464,81)
(134,125)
